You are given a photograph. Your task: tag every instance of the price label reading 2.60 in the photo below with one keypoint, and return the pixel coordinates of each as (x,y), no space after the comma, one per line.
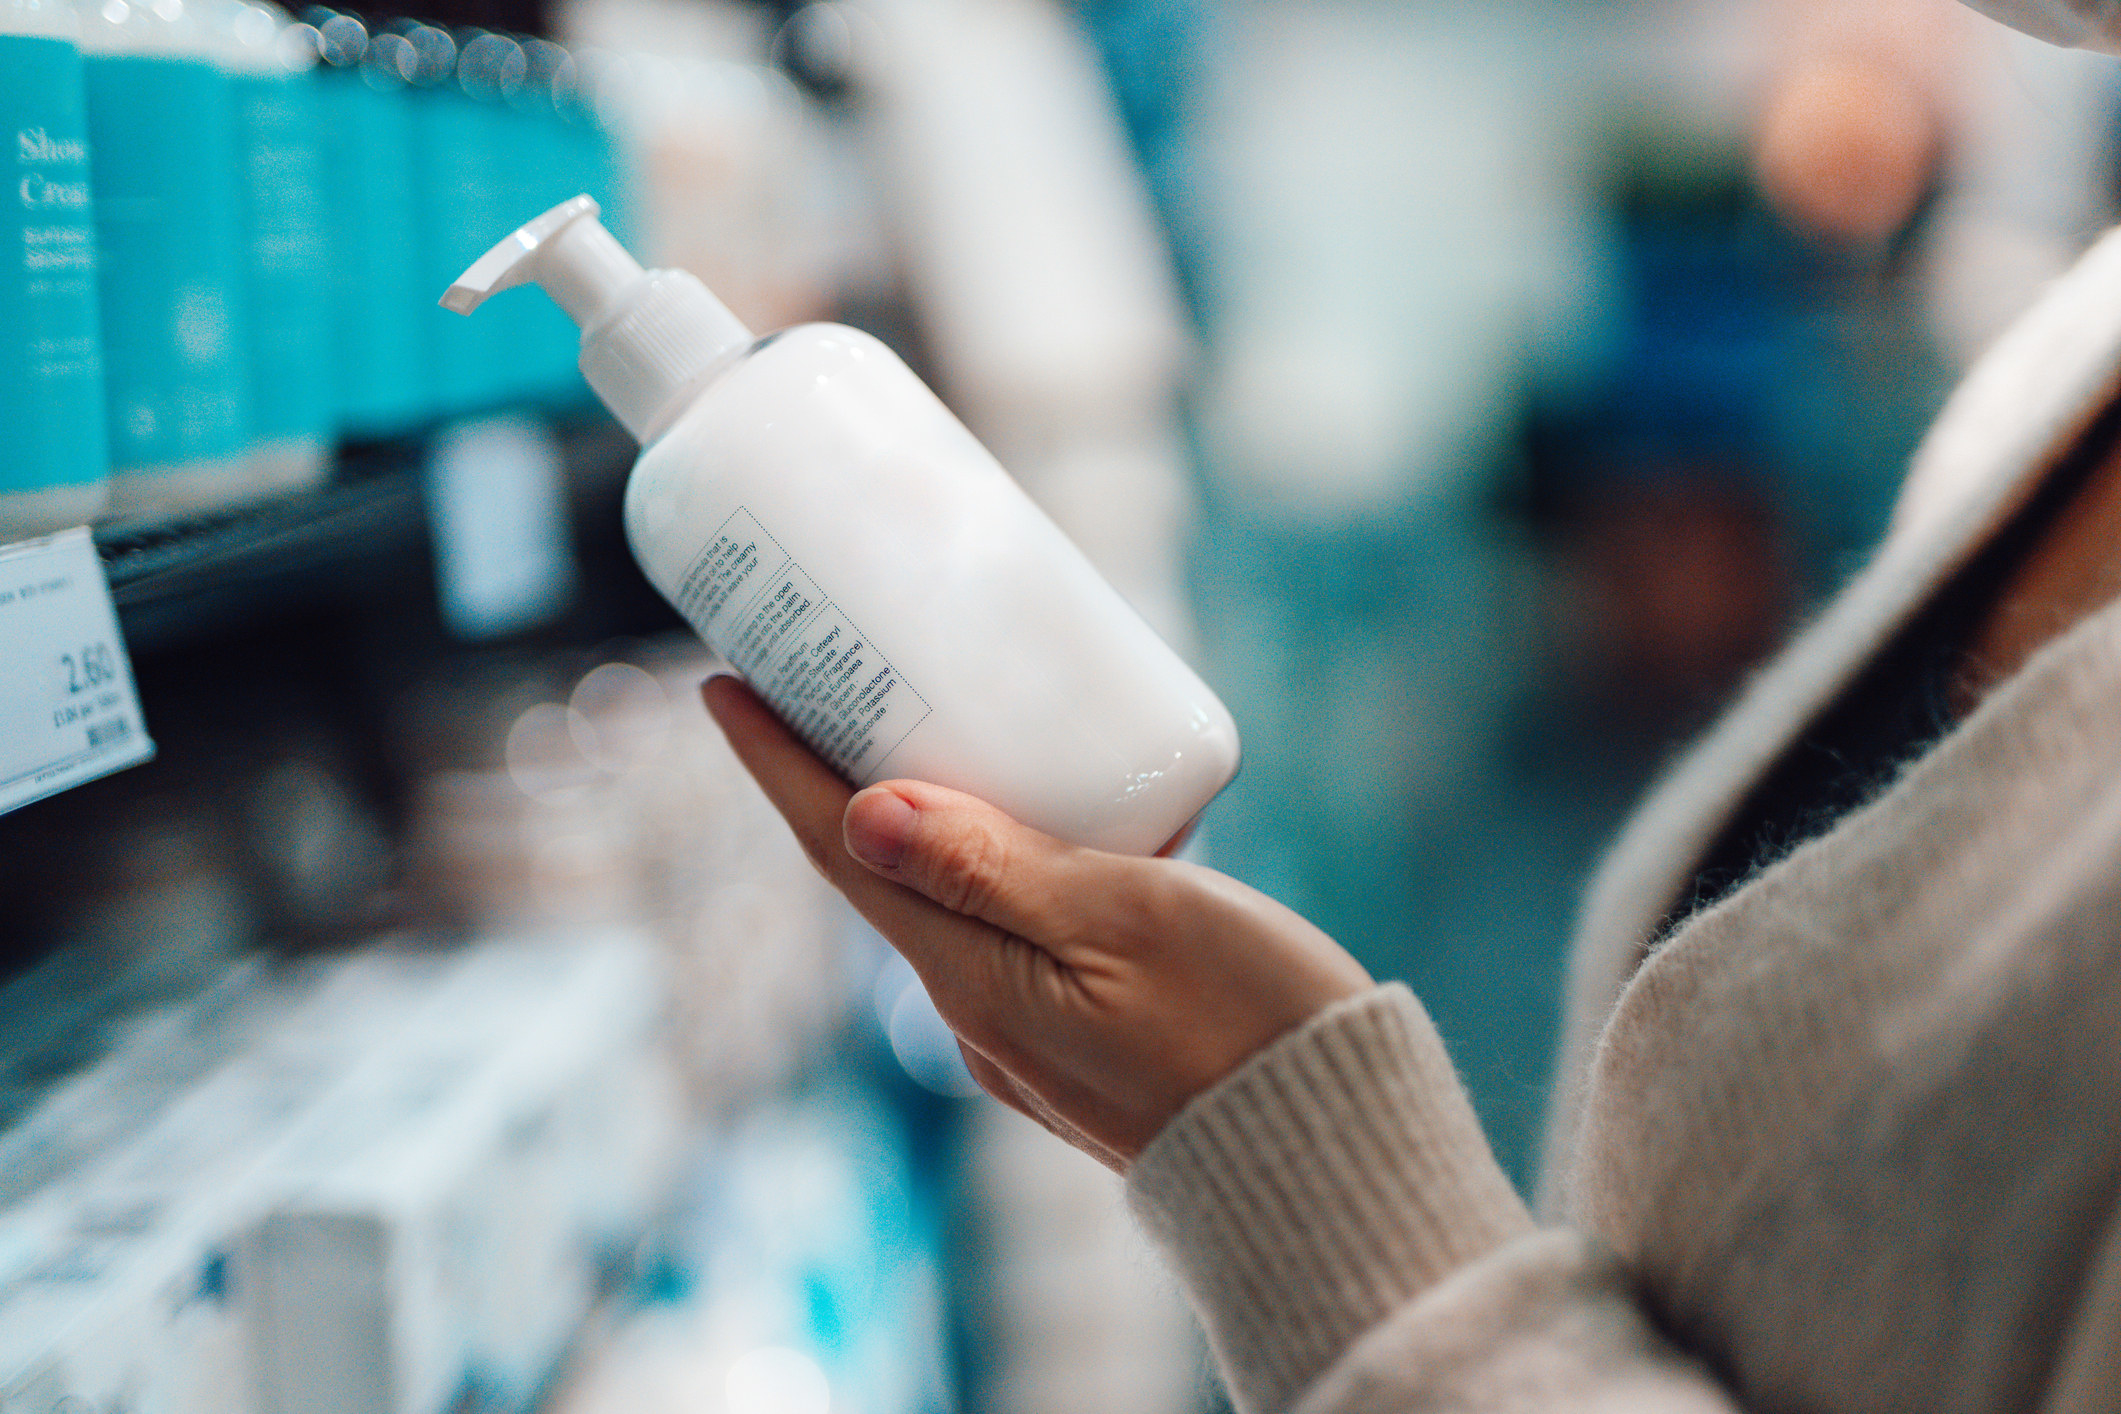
(95,665)
(68,711)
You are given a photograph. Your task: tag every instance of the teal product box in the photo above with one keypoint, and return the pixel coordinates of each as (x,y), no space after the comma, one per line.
(51,361)
(525,335)
(552,343)
(381,335)
(291,375)
(543,106)
(465,197)
(169,220)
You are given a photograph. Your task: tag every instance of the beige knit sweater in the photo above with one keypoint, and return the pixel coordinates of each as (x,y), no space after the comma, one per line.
(1849,1139)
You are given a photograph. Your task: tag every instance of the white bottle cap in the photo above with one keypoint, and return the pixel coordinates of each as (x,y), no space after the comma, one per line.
(646,334)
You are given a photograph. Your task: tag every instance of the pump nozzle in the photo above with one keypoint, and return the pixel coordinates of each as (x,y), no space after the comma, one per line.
(567,250)
(646,334)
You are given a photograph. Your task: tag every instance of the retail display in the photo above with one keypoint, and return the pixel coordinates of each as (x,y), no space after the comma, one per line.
(375,1110)
(246,291)
(821,520)
(472,1184)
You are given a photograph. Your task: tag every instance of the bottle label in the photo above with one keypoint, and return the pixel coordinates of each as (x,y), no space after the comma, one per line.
(170,224)
(51,366)
(749,598)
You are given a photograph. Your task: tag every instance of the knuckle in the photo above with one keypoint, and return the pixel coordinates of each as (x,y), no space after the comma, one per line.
(967,872)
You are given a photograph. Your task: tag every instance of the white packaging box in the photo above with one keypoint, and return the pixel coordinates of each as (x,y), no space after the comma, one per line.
(447,1245)
(136,1056)
(117,1297)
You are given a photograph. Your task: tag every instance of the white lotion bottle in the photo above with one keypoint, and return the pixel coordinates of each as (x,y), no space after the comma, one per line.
(825,523)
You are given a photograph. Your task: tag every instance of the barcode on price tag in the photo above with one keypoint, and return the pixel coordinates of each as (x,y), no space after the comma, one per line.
(68,711)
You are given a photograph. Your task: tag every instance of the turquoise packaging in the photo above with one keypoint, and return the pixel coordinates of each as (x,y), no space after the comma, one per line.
(289,291)
(51,386)
(380,337)
(162,138)
(510,137)
(463,194)
(551,340)
(464,198)
(553,177)
(492,71)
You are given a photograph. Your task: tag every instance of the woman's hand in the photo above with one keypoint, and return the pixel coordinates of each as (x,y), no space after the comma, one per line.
(1097,993)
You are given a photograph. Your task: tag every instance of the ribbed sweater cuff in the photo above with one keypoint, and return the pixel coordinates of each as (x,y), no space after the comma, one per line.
(1327,1181)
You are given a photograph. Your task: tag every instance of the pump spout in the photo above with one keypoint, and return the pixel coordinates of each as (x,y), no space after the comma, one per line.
(647,335)
(567,250)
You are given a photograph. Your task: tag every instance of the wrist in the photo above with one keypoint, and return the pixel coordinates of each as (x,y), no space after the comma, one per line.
(1327,1180)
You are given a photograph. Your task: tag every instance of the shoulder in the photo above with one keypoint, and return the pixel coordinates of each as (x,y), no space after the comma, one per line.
(1863,1109)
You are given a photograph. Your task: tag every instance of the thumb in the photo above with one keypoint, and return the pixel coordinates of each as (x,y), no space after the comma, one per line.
(974,860)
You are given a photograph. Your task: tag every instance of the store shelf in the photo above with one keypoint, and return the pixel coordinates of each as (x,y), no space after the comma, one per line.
(172,580)
(167,578)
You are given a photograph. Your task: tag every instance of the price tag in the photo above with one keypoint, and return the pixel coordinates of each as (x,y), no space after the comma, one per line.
(68,711)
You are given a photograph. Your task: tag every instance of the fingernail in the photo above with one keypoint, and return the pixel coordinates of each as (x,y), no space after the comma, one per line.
(879,826)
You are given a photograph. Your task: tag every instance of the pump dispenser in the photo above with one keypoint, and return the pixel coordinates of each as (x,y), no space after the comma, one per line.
(646,334)
(824,523)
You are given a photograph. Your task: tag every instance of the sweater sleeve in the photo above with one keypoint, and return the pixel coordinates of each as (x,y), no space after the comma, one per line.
(1348,1239)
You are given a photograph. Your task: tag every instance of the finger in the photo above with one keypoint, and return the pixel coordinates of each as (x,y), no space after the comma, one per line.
(974,860)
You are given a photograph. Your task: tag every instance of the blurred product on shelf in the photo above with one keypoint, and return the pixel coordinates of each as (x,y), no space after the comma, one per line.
(375,277)
(54,460)
(1075,1314)
(495,491)
(279,151)
(480,1184)
(491,149)
(616,799)
(94,1045)
(457,1143)
(1035,270)
(808,1281)
(316,856)
(164,160)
